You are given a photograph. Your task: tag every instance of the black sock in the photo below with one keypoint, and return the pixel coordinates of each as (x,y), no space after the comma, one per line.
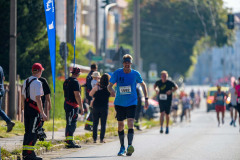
(130,136)
(121,137)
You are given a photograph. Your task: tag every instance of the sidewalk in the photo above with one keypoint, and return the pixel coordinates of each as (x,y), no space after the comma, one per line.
(16,142)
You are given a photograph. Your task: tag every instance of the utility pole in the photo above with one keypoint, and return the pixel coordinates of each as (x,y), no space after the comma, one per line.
(136,36)
(70,21)
(96,27)
(12,59)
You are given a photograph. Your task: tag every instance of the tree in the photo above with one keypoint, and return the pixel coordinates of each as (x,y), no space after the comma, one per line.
(170,30)
(32,42)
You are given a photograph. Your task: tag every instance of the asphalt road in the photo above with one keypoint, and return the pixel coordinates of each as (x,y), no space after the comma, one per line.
(200,139)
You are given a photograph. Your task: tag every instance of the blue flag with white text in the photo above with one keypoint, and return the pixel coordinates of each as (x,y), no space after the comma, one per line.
(75,21)
(49,7)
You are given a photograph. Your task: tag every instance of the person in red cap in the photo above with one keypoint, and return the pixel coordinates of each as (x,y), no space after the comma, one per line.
(33,111)
(72,94)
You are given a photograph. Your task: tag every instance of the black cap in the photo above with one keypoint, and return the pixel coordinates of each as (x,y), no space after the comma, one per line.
(75,70)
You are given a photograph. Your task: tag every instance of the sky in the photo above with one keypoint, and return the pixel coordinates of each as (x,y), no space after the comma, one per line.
(234,4)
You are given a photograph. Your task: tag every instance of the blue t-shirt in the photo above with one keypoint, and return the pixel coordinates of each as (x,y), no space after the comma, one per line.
(126,92)
(220,99)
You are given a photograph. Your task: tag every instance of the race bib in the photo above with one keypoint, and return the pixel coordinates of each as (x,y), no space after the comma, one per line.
(125,90)
(238,100)
(162,96)
(220,98)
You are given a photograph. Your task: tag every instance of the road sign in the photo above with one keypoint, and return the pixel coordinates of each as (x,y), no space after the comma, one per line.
(97,58)
(152,75)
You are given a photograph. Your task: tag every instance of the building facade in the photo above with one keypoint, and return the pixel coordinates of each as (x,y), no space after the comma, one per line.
(217,65)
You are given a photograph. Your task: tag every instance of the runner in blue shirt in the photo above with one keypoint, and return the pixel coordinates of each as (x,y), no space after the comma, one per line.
(126,100)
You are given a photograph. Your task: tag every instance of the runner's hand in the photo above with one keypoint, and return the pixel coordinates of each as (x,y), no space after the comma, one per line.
(169,92)
(146,105)
(113,94)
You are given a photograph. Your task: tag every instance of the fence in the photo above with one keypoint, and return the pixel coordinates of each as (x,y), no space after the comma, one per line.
(5,103)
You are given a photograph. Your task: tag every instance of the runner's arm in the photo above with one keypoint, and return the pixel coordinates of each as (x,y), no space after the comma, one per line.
(172,90)
(111,90)
(144,87)
(215,96)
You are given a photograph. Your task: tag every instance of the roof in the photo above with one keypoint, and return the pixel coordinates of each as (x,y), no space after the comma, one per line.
(83,69)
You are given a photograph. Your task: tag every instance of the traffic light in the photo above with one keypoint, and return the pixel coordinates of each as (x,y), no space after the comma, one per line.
(105,3)
(230,22)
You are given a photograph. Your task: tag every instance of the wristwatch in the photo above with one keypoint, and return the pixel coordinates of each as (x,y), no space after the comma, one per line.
(146,98)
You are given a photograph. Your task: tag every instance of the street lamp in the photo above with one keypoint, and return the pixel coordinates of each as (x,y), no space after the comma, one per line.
(106,9)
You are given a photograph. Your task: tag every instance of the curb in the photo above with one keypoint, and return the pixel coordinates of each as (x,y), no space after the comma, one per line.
(56,147)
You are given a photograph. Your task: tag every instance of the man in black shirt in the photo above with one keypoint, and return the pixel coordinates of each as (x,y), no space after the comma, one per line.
(46,101)
(72,94)
(88,88)
(165,89)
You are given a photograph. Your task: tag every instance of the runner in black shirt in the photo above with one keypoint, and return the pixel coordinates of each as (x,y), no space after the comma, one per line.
(165,89)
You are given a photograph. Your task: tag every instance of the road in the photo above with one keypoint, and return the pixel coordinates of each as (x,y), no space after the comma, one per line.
(200,139)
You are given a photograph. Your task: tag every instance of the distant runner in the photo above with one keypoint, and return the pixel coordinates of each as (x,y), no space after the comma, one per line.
(164,89)
(219,99)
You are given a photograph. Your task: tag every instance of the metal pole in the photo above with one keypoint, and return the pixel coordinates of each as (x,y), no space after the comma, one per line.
(53,116)
(136,35)
(12,59)
(106,9)
(65,60)
(70,21)
(96,27)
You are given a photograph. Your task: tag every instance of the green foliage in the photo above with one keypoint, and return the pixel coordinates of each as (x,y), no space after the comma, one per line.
(5,153)
(18,129)
(32,42)
(82,47)
(46,144)
(17,151)
(59,99)
(170,30)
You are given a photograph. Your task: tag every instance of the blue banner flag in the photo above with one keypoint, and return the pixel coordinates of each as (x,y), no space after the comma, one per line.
(75,21)
(49,7)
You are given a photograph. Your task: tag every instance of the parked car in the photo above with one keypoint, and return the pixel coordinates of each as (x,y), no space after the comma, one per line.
(153,109)
(210,98)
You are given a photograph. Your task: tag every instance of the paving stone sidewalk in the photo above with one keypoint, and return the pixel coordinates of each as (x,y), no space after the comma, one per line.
(15,142)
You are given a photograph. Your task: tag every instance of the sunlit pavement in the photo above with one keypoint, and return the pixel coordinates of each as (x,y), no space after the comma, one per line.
(199,139)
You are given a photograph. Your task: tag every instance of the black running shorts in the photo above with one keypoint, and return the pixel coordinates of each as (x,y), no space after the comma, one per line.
(165,107)
(125,112)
